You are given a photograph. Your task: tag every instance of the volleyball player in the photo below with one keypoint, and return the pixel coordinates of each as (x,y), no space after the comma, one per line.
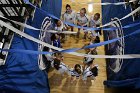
(75,72)
(90,71)
(56,40)
(48,58)
(82,20)
(69,16)
(60,27)
(88,60)
(58,64)
(95,22)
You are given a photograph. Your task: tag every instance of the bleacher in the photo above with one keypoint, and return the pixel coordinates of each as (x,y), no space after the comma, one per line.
(15,10)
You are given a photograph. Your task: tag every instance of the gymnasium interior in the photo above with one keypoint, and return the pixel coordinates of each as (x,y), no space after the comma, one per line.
(27,45)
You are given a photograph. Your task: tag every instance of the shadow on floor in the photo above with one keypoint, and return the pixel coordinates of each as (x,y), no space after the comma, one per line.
(55,80)
(76,87)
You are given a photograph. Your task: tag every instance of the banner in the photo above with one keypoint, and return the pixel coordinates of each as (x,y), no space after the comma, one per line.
(21,73)
(121,72)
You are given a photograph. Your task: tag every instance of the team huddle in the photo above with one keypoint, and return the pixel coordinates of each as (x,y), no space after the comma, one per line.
(56,61)
(89,69)
(81,19)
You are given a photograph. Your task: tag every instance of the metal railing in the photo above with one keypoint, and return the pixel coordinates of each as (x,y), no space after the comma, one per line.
(14,10)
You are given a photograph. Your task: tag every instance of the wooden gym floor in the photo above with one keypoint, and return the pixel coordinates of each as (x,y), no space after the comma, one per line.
(59,84)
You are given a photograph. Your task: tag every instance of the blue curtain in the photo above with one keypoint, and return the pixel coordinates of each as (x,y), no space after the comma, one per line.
(129,73)
(21,73)
(53,6)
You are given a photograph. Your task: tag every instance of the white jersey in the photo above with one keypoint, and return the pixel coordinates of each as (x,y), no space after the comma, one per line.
(84,20)
(94,23)
(88,73)
(69,17)
(63,68)
(59,28)
(72,72)
(88,59)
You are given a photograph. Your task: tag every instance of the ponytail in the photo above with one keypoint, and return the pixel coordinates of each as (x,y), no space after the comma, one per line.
(67,5)
(84,9)
(94,70)
(77,68)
